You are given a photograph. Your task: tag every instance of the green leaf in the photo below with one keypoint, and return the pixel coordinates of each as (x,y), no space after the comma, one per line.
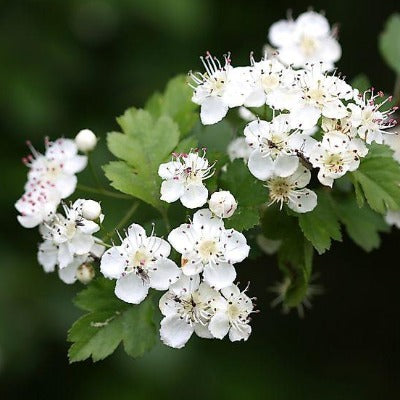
(362,224)
(361,82)
(98,296)
(176,103)
(389,43)
(378,176)
(248,192)
(109,322)
(145,143)
(139,333)
(321,225)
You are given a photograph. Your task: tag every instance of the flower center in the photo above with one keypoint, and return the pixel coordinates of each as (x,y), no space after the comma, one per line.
(208,249)
(70,230)
(279,190)
(316,95)
(217,83)
(269,81)
(233,311)
(53,169)
(141,258)
(308,45)
(334,162)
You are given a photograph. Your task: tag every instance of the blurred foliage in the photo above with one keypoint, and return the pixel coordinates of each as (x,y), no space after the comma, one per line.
(79,63)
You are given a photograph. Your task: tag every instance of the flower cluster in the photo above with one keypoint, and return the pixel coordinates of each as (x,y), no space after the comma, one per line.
(68,241)
(201,296)
(319,121)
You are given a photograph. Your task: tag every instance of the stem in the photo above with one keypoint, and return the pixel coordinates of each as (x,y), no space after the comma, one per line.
(164,214)
(123,221)
(93,172)
(103,192)
(396,90)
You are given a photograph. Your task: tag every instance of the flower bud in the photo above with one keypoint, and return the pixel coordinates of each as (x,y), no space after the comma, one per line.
(91,210)
(85,273)
(86,140)
(222,204)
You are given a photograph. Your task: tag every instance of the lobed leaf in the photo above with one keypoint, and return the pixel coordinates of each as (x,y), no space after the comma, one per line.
(389,43)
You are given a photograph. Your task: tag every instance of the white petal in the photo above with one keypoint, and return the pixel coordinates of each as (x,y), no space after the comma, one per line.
(285,165)
(313,23)
(169,170)
(235,246)
(219,325)
(260,166)
(66,184)
(136,235)
(65,256)
(171,190)
(29,221)
(75,164)
(185,284)
(175,332)
(219,276)
(194,196)
(47,255)
(68,274)
(112,264)
(305,117)
(213,109)
(81,243)
(202,331)
(206,222)
(191,264)
(157,246)
(304,201)
(256,98)
(131,288)
(88,227)
(324,179)
(163,274)
(281,33)
(301,177)
(181,238)
(236,334)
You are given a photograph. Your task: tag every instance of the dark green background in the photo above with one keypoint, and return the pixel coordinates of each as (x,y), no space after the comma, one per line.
(65,65)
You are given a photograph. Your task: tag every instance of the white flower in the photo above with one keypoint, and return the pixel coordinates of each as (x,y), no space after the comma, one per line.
(239,148)
(91,210)
(270,83)
(335,155)
(271,153)
(139,263)
(66,236)
(320,94)
(218,89)
(393,141)
(232,315)
(367,119)
(222,204)
(77,269)
(292,191)
(393,218)
(85,140)
(57,167)
(37,205)
(206,246)
(187,307)
(84,273)
(183,179)
(308,39)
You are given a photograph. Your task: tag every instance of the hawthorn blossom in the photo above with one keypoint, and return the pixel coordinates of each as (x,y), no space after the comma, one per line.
(37,205)
(139,263)
(238,148)
(183,179)
(335,155)
(292,191)
(206,246)
(222,204)
(85,140)
(57,167)
(269,80)
(218,89)
(67,237)
(367,119)
(308,39)
(232,315)
(271,154)
(187,308)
